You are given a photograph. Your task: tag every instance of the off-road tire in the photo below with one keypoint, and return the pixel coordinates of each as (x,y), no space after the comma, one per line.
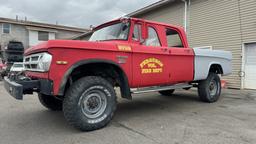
(76,103)
(167,92)
(50,102)
(187,88)
(205,92)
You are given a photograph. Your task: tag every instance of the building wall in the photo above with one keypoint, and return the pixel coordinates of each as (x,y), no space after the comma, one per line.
(172,13)
(18,33)
(30,37)
(217,24)
(63,34)
(247,10)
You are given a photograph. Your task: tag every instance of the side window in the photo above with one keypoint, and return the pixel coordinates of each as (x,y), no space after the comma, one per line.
(6,28)
(136,35)
(152,39)
(173,38)
(43,36)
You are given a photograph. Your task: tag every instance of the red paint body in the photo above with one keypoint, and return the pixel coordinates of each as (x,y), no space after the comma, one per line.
(178,63)
(2,65)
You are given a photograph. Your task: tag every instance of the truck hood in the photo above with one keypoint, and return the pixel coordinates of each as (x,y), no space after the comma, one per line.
(75,44)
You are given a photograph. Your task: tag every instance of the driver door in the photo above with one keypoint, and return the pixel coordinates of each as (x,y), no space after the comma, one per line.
(149,59)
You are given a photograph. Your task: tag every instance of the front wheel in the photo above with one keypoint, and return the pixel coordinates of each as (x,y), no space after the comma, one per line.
(89,103)
(209,90)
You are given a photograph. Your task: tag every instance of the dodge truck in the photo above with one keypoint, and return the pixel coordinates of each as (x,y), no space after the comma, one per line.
(134,55)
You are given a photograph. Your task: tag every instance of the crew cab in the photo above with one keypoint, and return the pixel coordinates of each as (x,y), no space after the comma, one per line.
(133,54)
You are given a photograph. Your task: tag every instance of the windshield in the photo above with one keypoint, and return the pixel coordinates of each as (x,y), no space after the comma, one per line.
(118,31)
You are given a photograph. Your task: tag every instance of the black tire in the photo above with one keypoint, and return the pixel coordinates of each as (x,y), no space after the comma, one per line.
(209,90)
(50,102)
(167,92)
(187,88)
(89,103)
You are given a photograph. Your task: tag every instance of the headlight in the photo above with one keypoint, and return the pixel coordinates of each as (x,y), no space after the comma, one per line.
(44,62)
(38,62)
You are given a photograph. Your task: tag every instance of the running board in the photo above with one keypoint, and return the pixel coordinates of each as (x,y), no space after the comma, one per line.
(159,88)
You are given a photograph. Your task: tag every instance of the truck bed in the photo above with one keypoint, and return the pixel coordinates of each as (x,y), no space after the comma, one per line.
(204,58)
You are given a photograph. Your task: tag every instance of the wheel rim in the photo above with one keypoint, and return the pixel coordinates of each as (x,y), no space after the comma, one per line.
(213,88)
(93,103)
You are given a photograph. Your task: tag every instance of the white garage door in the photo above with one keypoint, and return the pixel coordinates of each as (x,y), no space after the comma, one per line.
(250,66)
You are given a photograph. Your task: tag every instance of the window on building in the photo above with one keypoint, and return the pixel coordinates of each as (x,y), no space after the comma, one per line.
(173,38)
(6,28)
(43,36)
(136,35)
(152,39)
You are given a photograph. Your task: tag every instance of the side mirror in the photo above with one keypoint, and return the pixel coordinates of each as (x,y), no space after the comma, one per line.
(91,27)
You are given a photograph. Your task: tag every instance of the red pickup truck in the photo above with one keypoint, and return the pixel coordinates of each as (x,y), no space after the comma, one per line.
(135,55)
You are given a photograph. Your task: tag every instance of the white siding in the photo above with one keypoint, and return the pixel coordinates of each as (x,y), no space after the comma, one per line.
(172,13)
(217,23)
(248,20)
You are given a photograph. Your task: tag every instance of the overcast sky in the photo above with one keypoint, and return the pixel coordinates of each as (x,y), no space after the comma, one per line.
(81,13)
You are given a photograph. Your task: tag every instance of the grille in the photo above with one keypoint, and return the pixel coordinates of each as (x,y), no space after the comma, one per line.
(31,62)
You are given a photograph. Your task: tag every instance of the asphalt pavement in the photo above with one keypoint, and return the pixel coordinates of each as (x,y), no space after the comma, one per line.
(147,119)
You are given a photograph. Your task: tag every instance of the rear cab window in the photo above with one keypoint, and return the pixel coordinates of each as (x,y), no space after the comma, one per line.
(173,38)
(153,38)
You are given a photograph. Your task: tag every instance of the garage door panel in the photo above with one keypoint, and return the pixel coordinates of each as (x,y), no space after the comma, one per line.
(250,66)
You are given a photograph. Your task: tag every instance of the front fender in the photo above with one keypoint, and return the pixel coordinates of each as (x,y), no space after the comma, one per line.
(124,84)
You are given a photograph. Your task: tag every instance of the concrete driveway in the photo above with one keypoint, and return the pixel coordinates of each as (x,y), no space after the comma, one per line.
(147,119)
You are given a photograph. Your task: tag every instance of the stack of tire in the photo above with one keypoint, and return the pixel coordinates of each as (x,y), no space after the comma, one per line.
(12,53)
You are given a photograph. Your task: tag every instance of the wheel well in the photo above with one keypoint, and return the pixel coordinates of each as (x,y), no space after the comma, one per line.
(111,72)
(216,68)
(97,69)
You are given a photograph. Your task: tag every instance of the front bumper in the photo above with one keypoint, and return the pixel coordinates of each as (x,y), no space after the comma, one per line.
(20,87)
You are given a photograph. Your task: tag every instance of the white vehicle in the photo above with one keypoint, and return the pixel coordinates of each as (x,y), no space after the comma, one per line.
(17,67)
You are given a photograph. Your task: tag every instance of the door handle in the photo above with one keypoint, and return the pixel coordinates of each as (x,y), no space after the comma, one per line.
(164,49)
(187,50)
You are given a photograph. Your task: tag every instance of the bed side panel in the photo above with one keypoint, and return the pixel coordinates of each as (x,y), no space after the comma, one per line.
(205,58)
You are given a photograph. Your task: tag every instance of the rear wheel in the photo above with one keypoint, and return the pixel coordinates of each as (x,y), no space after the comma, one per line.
(167,92)
(209,90)
(50,102)
(89,103)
